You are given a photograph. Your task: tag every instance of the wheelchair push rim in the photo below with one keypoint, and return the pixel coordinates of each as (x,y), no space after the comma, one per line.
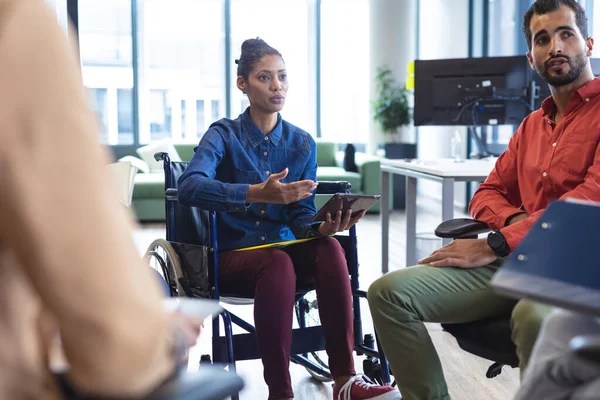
(161,256)
(308,306)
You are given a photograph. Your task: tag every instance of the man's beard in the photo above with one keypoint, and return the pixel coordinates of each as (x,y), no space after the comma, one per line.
(576,67)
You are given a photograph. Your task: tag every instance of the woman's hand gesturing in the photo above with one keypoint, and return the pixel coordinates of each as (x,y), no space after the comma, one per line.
(273,191)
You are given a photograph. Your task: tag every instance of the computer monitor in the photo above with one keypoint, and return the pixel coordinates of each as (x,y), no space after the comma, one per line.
(478,91)
(473,91)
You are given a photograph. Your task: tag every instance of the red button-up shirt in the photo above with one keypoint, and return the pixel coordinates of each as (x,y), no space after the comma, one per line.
(544,161)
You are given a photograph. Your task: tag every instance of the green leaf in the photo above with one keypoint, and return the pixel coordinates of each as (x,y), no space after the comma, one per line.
(390,107)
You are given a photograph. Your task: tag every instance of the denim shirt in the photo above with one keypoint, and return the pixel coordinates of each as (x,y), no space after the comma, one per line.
(232,155)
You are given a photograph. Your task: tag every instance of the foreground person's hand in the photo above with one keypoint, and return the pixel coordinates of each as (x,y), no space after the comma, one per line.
(187,329)
(188,326)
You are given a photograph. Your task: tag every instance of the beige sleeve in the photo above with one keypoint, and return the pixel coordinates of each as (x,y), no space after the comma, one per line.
(61,213)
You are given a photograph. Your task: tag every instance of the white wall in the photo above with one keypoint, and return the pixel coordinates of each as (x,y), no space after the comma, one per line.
(393,27)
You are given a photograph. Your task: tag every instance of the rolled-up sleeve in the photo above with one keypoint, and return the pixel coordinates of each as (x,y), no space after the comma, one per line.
(498,198)
(588,190)
(198,186)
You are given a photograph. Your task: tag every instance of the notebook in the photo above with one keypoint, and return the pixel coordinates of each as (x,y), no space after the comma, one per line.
(558,261)
(123,174)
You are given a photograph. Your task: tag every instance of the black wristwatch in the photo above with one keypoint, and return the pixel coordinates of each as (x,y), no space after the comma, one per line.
(497,242)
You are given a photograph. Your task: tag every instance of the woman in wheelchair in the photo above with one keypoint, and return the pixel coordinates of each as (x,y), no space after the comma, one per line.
(259,172)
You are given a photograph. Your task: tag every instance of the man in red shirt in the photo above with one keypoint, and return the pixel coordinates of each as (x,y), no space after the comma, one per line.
(553,155)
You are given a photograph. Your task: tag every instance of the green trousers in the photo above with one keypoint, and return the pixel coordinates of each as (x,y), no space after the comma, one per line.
(403,300)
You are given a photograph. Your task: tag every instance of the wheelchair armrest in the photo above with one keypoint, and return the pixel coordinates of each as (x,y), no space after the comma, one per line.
(171,194)
(460,227)
(326,187)
(586,346)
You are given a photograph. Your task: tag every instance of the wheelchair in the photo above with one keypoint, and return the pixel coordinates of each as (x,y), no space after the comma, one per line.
(488,338)
(188,261)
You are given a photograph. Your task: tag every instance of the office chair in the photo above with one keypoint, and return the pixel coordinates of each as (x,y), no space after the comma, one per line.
(488,338)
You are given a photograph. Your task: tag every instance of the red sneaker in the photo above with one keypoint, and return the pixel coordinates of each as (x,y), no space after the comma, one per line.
(359,387)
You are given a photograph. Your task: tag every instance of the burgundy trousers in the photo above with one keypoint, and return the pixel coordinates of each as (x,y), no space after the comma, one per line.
(270,276)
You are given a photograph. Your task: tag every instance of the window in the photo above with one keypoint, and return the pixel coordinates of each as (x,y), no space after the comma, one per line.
(178,88)
(345,108)
(200,127)
(124,115)
(181,55)
(99,105)
(160,115)
(106,49)
(215,110)
(286,26)
(503,28)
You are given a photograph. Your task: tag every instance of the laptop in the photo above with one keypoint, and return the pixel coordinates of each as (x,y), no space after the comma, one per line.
(558,261)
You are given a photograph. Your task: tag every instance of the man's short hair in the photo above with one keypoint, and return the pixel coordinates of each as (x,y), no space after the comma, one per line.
(541,7)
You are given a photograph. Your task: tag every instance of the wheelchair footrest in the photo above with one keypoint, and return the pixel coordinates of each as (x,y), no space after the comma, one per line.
(304,340)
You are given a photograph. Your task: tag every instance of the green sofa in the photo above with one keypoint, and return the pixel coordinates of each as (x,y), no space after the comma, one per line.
(148,193)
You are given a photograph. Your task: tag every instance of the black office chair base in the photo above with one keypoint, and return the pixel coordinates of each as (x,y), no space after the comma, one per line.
(494,370)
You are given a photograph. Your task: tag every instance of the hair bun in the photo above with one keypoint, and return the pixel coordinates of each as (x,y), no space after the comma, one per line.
(252,45)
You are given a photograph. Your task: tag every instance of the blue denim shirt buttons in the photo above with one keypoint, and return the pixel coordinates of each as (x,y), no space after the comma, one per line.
(234,154)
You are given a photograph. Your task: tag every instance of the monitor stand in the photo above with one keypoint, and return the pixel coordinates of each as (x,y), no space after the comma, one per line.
(482,151)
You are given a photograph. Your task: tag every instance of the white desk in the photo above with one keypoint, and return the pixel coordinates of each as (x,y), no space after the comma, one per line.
(445,171)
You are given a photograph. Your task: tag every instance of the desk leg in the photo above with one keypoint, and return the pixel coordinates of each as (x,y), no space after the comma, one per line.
(411,221)
(384,214)
(447,203)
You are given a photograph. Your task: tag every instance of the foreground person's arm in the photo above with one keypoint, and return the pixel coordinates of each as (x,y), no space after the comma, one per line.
(62,217)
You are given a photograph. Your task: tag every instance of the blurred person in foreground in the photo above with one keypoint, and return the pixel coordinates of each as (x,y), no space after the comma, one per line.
(68,264)
(558,370)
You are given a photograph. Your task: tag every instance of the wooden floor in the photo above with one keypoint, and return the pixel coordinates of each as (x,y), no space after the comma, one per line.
(464,372)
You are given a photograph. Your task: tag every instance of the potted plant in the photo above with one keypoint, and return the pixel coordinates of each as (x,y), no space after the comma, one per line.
(391,109)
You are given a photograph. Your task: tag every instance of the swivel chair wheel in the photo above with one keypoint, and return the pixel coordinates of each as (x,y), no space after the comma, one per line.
(205,359)
(494,370)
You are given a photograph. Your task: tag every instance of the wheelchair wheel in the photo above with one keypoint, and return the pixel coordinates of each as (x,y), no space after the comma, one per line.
(308,307)
(162,257)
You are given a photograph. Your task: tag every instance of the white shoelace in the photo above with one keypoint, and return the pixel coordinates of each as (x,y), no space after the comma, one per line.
(360,379)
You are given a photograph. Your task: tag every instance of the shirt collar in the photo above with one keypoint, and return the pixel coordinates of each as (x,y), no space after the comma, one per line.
(584,94)
(255,135)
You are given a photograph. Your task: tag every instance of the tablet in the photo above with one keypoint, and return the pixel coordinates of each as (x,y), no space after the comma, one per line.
(345,201)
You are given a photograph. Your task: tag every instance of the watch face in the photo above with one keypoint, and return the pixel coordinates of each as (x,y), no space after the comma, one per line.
(495,240)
